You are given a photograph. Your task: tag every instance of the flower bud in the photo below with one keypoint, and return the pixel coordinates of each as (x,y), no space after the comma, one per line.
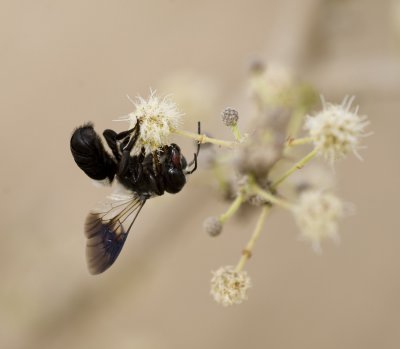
(212,226)
(230,117)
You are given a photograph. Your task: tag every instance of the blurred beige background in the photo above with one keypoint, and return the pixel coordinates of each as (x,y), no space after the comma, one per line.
(63,63)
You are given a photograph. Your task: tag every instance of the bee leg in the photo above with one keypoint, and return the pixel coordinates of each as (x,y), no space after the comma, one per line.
(156,186)
(138,174)
(156,161)
(113,137)
(89,154)
(134,163)
(136,168)
(123,144)
(142,155)
(125,161)
(132,140)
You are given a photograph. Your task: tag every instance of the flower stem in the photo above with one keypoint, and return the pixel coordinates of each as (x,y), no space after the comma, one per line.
(291,142)
(232,209)
(296,167)
(236,132)
(295,122)
(271,198)
(250,244)
(204,139)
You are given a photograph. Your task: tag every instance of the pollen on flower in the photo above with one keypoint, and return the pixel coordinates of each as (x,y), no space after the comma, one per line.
(337,130)
(157,118)
(317,214)
(228,286)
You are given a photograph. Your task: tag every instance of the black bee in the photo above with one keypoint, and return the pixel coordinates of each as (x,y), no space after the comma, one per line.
(142,177)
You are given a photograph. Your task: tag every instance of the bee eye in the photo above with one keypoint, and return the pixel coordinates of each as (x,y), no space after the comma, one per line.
(176,158)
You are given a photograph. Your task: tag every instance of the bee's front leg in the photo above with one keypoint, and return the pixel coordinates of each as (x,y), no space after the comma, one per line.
(113,137)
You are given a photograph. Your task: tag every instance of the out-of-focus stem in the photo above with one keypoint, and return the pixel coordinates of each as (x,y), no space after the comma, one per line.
(295,122)
(246,254)
(236,132)
(271,198)
(204,139)
(292,142)
(232,209)
(296,167)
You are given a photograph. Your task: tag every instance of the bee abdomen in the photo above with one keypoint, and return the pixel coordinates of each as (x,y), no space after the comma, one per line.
(90,155)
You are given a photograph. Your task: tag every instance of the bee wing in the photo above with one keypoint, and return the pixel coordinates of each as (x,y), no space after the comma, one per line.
(107,228)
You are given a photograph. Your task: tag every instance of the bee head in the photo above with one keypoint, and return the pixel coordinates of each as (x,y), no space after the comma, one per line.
(174,165)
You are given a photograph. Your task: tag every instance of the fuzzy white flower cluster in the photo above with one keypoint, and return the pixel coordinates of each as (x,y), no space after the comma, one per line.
(228,286)
(337,130)
(272,84)
(157,118)
(317,214)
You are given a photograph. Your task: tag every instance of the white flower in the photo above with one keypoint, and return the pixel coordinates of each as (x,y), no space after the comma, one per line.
(271,85)
(336,130)
(313,176)
(317,214)
(157,118)
(228,286)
